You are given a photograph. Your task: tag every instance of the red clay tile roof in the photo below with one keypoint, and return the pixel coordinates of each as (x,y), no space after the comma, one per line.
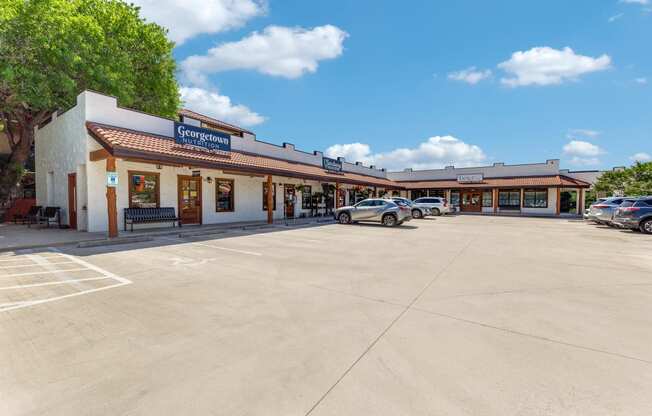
(149,147)
(553,180)
(213,121)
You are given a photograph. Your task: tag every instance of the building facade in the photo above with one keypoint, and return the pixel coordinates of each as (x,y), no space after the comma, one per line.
(97,159)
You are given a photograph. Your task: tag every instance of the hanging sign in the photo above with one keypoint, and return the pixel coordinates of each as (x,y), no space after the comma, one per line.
(331,165)
(202,138)
(112,179)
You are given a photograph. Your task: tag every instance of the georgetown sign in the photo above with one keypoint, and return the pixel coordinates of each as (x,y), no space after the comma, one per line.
(202,138)
(331,165)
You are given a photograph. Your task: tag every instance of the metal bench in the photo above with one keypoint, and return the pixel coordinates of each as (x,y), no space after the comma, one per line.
(47,216)
(149,215)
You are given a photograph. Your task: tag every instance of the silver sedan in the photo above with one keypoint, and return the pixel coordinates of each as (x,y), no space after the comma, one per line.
(384,211)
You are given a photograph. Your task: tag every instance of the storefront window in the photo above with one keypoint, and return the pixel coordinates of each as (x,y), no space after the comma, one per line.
(265,196)
(306,197)
(143,190)
(224,189)
(487,199)
(440,193)
(509,199)
(418,193)
(455,198)
(535,198)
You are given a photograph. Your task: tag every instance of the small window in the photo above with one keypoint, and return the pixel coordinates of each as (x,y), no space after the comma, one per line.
(265,196)
(535,198)
(306,197)
(143,190)
(224,189)
(487,199)
(365,204)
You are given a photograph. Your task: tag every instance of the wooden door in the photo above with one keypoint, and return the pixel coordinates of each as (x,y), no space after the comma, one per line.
(290,200)
(72,200)
(471,201)
(189,188)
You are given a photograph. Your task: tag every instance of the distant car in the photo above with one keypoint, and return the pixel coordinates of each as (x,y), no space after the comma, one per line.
(437,205)
(417,211)
(602,211)
(635,214)
(385,211)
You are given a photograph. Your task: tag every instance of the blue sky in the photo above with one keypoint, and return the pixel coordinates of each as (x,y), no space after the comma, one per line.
(424,83)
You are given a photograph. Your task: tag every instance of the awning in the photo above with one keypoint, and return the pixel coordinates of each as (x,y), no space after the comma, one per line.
(146,147)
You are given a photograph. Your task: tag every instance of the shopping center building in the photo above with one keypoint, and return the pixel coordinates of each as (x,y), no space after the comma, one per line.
(97,159)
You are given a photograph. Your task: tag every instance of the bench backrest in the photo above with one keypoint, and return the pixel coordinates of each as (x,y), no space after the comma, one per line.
(149,214)
(34,210)
(50,212)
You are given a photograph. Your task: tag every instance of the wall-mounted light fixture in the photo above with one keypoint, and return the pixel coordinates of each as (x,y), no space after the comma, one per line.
(159,167)
(209,179)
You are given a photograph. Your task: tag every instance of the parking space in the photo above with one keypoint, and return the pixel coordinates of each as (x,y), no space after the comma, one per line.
(461,315)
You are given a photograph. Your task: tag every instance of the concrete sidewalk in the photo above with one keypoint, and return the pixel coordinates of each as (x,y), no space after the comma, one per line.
(19,237)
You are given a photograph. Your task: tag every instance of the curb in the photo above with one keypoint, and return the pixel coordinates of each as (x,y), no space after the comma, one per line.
(114,241)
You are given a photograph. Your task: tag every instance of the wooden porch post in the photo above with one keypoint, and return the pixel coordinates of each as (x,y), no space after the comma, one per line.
(337,194)
(494,197)
(558,210)
(111,203)
(270,200)
(580,201)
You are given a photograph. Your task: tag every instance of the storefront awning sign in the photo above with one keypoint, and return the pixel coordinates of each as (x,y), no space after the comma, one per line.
(211,140)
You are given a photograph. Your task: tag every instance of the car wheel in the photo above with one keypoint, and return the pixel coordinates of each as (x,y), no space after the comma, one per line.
(416,214)
(646,226)
(436,212)
(389,220)
(344,218)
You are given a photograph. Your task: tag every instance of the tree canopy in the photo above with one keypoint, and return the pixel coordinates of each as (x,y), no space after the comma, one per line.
(51,50)
(633,181)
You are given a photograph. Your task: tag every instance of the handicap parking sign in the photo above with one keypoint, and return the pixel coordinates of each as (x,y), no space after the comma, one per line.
(112,179)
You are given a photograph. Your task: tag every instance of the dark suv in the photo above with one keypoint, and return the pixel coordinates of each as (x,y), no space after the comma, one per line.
(635,214)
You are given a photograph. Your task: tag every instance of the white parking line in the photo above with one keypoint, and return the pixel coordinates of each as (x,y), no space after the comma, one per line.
(58,282)
(34,264)
(41,260)
(46,272)
(234,250)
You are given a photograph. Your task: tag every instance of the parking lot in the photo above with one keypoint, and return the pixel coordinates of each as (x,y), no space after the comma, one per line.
(462,315)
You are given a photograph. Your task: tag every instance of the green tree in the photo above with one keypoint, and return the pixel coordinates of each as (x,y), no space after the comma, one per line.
(635,180)
(50,50)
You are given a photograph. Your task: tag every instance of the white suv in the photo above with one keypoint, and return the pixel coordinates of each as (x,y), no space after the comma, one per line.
(437,205)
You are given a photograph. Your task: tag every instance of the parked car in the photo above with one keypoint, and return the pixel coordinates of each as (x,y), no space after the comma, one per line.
(385,211)
(437,205)
(417,211)
(635,214)
(602,211)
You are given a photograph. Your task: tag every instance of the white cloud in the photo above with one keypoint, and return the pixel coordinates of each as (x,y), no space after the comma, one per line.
(641,80)
(615,17)
(219,106)
(277,51)
(583,152)
(641,157)
(436,152)
(643,2)
(548,66)
(584,133)
(470,75)
(186,19)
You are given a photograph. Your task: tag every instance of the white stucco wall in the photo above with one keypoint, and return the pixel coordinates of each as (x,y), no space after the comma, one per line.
(60,148)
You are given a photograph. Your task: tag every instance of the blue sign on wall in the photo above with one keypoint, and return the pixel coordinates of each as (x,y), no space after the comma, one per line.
(200,137)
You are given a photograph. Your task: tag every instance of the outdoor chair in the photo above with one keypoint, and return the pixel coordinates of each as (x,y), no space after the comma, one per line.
(48,216)
(30,216)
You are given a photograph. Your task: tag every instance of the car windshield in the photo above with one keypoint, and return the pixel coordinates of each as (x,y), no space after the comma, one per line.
(401,201)
(628,203)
